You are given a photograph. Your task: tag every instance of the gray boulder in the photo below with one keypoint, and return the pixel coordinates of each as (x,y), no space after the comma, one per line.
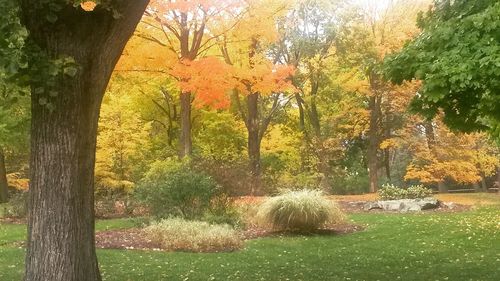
(404,205)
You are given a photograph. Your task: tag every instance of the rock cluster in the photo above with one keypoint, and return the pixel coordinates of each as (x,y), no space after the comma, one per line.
(404,205)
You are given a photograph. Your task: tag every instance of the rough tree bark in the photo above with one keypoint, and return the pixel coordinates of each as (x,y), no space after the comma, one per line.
(4,187)
(61,200)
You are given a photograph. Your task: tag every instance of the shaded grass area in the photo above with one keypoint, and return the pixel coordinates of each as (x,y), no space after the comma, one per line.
(454,246)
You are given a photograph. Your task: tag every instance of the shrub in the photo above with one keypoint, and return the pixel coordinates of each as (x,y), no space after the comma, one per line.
(233,176)
(196,236)
(304,211)
(350,183)
(418,191)
(18,205)
(300,181)
(170,189)
(391,192)
(223,211)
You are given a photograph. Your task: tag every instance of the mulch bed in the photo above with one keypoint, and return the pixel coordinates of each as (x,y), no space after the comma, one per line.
(134,238)
(11,220)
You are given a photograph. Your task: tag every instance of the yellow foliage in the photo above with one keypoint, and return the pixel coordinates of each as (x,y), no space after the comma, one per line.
(389,143)
(15,180)
(463,158)
(122,138)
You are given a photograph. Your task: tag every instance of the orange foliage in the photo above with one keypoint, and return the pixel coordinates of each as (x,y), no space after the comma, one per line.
(16,181)
(189,6)
(209,78)
(88,6)
(265,78)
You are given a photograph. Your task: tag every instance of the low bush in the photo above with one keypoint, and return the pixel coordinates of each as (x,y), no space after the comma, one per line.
(176,234)
(233,176)
(170,189)
(223,211)
(350,183)
(391,192)
(418,191)
(17,206)
(303,211)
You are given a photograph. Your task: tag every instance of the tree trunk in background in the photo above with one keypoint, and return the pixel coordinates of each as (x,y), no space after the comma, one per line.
(254,140)
(302,128)
(186,144)
(431,141)
(61,244)
(4,187)
(442,188)
(484,186)
(321,152)
(429,134)
(387,164)
(373,142)
(497,184)
(476,186)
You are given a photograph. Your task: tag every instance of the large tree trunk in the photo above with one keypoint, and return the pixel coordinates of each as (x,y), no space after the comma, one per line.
(254,140)
(186,144)
(373,142)
(63,138)
(4,187)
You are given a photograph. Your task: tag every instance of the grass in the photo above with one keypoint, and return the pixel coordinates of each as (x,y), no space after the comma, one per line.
(432,246)
(470,198)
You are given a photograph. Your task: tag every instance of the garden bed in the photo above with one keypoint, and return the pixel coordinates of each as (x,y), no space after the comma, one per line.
(135,239)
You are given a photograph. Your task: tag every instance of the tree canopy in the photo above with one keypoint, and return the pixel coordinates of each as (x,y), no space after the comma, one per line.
(457,56)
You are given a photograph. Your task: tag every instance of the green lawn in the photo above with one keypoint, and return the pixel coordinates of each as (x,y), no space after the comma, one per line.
(464,246)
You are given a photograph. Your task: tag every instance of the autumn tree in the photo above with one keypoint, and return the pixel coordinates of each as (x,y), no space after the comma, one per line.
(13,99)
(382,29)
(72,53)
(122,143)
(441,155)
(14,121)
(189,29)
(260,82)
(307,43)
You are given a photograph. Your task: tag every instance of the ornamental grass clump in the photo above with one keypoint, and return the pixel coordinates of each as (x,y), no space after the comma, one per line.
(177,234)
(299,211)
